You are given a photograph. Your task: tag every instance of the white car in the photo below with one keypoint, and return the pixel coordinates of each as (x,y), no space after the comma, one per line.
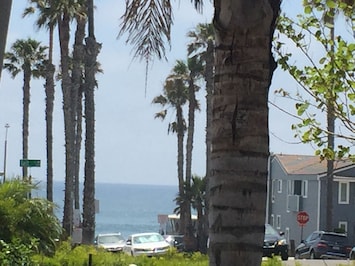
(113,242)
(352,254)
(149,244)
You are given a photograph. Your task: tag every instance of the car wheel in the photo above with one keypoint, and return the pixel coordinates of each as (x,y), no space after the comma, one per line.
(132,253)
(297,256)
(352,256)
(312,255)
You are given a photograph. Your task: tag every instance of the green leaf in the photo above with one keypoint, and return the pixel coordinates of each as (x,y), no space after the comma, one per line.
(331,4)
(322,60)
(308,10)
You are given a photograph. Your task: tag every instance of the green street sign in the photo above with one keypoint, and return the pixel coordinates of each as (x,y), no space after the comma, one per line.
(30,163)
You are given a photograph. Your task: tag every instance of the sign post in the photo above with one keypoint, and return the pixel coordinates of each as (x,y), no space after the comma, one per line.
(302,219)
(30,163)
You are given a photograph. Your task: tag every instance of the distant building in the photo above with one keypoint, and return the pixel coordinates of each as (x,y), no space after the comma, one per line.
(298,183)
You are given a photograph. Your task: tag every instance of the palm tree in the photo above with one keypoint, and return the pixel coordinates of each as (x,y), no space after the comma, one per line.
(77,78)
(198,201)
(91,68)
(240,142)
(67,11)
(202,46)
(194,72)
(47,18)
(195,194)
(27,56)
(188,74)
(175,95)
(4,25)
(240,139)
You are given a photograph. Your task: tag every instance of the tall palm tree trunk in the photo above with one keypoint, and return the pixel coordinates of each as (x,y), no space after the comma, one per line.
(92,51)
(26,114)
(189,147)
(78,143)
(49,88)
(69,123)
(209,73)
(180,166)
(240,140)
(77,80)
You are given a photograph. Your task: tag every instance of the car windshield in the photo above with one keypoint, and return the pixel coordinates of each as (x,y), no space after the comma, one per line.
(335,238)
(269,230)
(105,239)
(147,238)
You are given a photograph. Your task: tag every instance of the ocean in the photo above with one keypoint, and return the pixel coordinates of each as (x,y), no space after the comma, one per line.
(124,208)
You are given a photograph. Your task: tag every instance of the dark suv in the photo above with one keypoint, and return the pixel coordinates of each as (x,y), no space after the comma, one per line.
(274,243)
(323,245)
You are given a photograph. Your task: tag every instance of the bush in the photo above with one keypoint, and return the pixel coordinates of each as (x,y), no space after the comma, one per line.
(25,219)
(16,253)
(67,256)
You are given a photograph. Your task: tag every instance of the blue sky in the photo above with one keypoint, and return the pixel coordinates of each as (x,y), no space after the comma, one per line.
(131,146)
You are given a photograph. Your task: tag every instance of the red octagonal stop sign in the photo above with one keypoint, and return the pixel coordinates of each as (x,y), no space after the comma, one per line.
(302,218)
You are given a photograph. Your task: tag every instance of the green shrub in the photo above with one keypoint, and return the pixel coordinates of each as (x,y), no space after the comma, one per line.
(16,253)
(67,256)
(274,261)
(25,218)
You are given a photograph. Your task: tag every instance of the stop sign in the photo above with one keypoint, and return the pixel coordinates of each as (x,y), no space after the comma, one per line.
(302,218)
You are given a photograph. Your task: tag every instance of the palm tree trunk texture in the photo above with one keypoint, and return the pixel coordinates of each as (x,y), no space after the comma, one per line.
(240,140)
(26,114)
(77,77)
(209,71)
(69,123)
(189,148)
(180,166)
(92,51)
(78,142)
(5,12)
(49,88)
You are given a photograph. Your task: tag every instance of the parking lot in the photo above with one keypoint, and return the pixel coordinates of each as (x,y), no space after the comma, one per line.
(292,262)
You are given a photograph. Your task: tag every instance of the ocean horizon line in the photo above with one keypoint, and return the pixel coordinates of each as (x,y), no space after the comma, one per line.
(110,183)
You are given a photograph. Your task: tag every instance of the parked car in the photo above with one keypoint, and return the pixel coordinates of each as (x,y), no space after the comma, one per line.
(352,254)
(149,244)
(274,243)
(176,241)
(113,242)
(323,245)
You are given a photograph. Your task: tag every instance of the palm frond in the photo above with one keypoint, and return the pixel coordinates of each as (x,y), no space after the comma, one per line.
(148,25)
(161,114)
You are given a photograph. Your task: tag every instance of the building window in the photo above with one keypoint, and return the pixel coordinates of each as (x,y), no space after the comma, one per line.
(343,226)
(278,222)
(289,187)
(343,195)
(298,187)
(279,186)
(304,191)
(272,220)
(273,191)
